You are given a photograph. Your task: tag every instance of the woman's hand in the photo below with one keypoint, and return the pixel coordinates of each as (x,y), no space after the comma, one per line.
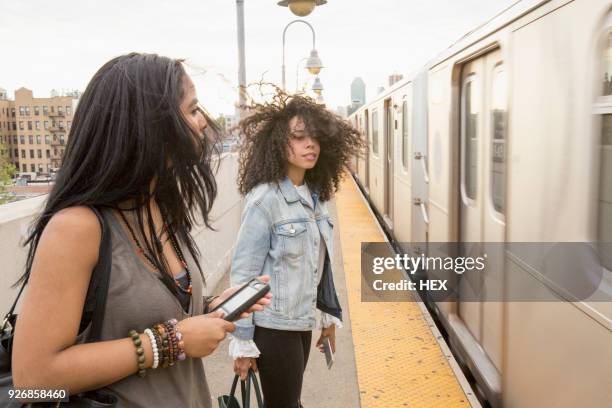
(242,365)
(329,332)
(257,307)
(202,334)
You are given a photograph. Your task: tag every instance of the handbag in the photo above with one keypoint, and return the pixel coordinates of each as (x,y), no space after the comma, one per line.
(93,316)
(229,401)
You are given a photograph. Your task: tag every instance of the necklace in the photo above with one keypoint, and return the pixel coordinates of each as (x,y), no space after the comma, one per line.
(158,243)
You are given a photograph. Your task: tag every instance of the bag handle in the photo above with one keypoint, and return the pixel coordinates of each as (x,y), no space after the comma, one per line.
(260,402)
(246,390)
(234,383)
(246,395)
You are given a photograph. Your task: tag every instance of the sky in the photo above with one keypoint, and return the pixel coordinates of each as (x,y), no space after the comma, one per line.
(59,45)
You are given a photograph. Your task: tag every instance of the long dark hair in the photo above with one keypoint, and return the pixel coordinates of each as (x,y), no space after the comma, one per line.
(265,137)
(128,130)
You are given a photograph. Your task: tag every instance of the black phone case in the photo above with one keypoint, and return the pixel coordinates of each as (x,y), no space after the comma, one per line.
(246,305)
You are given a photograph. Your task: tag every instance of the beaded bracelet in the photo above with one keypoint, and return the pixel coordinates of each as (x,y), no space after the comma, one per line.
(170,327)
(161,330)
(166,342)
(139,352)
(158,340)
(149,333)
(181,346)
(171,344)
(178,346)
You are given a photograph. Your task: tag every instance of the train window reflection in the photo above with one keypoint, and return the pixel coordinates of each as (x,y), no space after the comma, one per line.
(607,67)
(375,132)
(405,135)
(605,188)
(470,136)
(498,140)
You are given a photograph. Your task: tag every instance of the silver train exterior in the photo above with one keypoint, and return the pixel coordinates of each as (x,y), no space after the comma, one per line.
(507,137)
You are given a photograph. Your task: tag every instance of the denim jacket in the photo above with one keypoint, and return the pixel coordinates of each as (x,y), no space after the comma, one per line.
(278,237)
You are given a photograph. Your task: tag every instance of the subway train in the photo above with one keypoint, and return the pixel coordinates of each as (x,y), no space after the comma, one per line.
(506,137)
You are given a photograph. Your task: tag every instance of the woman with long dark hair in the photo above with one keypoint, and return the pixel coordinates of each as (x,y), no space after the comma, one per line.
(137,153)
(294,155)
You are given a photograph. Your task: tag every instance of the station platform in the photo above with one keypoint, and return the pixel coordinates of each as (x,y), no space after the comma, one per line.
(389,354)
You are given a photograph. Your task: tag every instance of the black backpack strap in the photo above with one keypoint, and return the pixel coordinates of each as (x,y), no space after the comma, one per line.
(95,302)
(7,318)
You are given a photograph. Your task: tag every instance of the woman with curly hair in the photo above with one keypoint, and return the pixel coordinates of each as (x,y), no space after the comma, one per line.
(293,158)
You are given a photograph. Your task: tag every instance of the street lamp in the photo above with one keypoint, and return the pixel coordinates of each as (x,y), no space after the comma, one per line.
(317,87)
(314,63)
(301,8)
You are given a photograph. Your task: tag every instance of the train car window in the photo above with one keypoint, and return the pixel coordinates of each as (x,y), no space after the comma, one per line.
(604,233)
(498,139)
(366,126)
(375,132)
(363,130)
(470,114)
(405,144)
(607,67)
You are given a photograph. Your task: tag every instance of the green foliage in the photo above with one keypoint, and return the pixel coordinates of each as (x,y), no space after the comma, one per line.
(221,121)
(7,171)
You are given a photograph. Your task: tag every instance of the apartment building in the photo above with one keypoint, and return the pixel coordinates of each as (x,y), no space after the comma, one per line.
(34,131)
(229,124)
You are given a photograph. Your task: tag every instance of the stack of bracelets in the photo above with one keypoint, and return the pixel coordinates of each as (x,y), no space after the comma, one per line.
(167,344)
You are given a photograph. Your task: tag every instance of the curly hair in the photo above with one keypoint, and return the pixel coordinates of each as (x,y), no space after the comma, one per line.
(265,139)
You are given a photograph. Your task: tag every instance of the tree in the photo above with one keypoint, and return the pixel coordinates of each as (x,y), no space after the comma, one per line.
(7,171)
(221,121)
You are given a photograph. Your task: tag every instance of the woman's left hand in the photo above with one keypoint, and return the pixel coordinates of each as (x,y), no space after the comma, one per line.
(330,333)
(257,307)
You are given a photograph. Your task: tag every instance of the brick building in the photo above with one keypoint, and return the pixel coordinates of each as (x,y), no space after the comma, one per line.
(34,131)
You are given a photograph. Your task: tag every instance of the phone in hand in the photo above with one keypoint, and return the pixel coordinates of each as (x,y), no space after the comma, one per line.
(329,354)
(241,300)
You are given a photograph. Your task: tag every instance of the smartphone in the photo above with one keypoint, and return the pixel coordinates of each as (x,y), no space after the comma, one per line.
(243,299)
(329,354)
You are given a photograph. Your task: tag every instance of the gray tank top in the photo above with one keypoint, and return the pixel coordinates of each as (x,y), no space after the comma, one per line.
(137,299)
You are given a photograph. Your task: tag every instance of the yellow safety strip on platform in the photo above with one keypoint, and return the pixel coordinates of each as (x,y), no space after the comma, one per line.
(399,362)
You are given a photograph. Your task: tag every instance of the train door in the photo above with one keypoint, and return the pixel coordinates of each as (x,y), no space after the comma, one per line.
(359,160)
(482,190)
(389,162)
(419,174)
(367,152)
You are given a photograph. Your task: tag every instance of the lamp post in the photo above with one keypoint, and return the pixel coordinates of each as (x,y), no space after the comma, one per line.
(301,8)
(241,58)
(314,63)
